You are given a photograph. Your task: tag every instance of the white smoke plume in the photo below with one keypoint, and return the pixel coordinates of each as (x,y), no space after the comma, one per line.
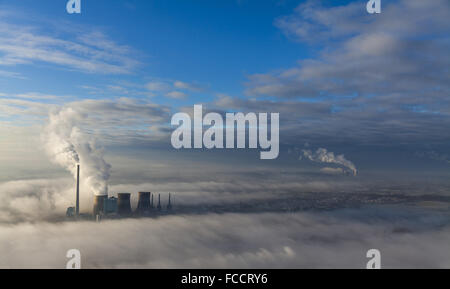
(324,156)
(68,146)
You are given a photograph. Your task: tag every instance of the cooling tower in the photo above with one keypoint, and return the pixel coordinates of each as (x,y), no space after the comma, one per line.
(144,202)
(169,205)
(99,202)
(123,204)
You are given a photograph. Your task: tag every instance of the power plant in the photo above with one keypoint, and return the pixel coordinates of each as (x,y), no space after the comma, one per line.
(120,207)
(99,205)
(144,203)
(77,205)
(124,204)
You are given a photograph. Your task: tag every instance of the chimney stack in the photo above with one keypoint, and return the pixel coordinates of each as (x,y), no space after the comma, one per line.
(77,205)
(169,205)
(159,202)
(124,204)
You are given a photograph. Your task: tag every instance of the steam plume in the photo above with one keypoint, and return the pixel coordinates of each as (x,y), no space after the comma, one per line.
(324,156)
(67,146)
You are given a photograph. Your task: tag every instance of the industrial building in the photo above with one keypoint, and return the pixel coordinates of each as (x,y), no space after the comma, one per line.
(113,207)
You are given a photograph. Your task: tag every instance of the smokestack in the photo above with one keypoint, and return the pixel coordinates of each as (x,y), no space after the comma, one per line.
(144,202)
(124,204)
(77,206)
(99,205)
(159,202)
(169,205)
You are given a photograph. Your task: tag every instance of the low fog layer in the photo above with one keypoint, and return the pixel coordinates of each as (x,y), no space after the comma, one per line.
(46,200)
(235,241)
(412,233)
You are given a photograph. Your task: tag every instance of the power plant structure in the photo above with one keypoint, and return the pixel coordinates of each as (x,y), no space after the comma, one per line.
(118,207)
(124,204)
(159,202)
(144,203)
(169,205)
(99,205)
(77,205)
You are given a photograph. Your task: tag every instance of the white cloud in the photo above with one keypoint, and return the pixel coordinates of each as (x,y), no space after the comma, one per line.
(401,38)
(176,89)
(26,109)
(187,86)
(176,94)
(87,52)
(157,86)
(228,241)
(333,171)
(384,78)
(10,74)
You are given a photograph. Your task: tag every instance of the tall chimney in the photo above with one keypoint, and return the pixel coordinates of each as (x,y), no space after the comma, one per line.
(124,204)
(159,202)
(144,202)
(169,205)
(77,206)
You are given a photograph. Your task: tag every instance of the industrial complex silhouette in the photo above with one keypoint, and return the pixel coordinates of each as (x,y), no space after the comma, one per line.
(118,207)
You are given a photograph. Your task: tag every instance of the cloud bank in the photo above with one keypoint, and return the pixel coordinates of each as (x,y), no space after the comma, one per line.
(91,52)
(384,79)
(229,241)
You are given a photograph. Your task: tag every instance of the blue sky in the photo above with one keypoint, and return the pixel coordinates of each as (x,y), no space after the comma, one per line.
(372,87)
(212,43)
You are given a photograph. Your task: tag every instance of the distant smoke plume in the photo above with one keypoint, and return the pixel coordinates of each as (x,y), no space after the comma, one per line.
(68,146)
(324,156)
